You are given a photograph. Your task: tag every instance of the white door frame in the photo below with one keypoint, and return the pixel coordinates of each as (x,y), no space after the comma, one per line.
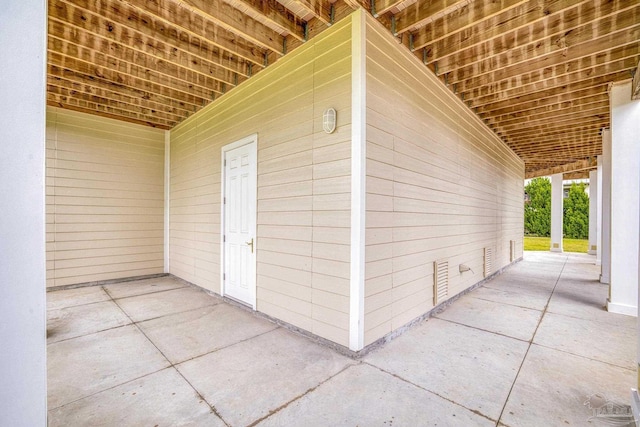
(244,141)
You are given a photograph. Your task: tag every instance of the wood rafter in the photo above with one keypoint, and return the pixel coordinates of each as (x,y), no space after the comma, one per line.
(535,71)
(567,168)
(274,14)
(570,28)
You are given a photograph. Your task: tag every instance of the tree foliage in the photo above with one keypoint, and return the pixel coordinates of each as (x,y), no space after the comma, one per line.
(576,213)
(537,210)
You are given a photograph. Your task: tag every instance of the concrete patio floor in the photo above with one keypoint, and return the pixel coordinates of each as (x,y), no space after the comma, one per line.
(532,347)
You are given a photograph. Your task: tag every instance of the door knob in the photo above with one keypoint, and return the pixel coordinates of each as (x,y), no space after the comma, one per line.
(250,243)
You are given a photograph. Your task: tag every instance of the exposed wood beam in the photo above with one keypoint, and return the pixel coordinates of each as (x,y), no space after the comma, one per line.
(142,33)
(127,47)
(565,157)
(597,121)
(60,82)
(531,57)
(564,135)
(562,92)
(321,9)
(380,7)
(565,138)
(234,21)
(578,97)
(423,12)
(601,99)
(559,75)
(102,110)
(556,32)
(138,65)
(158,116)
(169,14)
(176,21)
(274,13)
(109,86)
(479,14)
(559,143)
(118,70)
(107,74)
(555,114)
(577,175)
(571,167)
(487,29)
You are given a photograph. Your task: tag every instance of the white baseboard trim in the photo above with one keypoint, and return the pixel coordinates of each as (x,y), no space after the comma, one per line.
(628,310)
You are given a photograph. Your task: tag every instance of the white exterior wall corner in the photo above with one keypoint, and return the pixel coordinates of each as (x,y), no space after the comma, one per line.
(358,179)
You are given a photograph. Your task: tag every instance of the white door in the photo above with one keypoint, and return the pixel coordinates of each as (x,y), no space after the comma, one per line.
(239,240)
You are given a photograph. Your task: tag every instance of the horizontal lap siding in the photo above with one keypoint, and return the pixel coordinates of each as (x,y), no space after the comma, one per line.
(303,209)
(105,199)
(439,185)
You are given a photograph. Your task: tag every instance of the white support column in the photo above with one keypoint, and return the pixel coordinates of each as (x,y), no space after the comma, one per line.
(23,362)
(167,197)
(557,198)
(593,212)
(605,274)
(625,201)
(599,215)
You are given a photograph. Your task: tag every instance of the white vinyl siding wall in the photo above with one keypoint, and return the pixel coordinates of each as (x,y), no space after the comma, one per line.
(440,186)
(303,211)
(105,200)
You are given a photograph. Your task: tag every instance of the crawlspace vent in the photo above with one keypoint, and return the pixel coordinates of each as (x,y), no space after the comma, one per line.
(512,250)
(488,262)
(441,281)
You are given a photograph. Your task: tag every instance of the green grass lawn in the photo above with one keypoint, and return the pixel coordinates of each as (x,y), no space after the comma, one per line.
(544,243)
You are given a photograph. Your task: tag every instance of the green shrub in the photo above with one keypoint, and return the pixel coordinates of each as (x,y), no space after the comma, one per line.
(537,210)
(576,213)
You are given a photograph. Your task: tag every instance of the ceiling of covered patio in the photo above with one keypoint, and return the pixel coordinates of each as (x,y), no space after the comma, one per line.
(535,71)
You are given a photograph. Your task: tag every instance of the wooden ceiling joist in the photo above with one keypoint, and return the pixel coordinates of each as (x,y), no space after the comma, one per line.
(576,71)
(234,21)
(511,113)
(109,86)
(149,51)
(571,167)
(510,64)
(274,14)
(139,66)
(553,112)
(487,29)
(77,104)
(115,105)
(133,31)
(424,12)
(551,96)
(168,15)
(570,28)
(477,20)
(124,79)
(90,90)
(535,71)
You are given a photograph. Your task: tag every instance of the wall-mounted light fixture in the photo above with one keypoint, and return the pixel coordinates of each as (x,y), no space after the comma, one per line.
(329,120)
